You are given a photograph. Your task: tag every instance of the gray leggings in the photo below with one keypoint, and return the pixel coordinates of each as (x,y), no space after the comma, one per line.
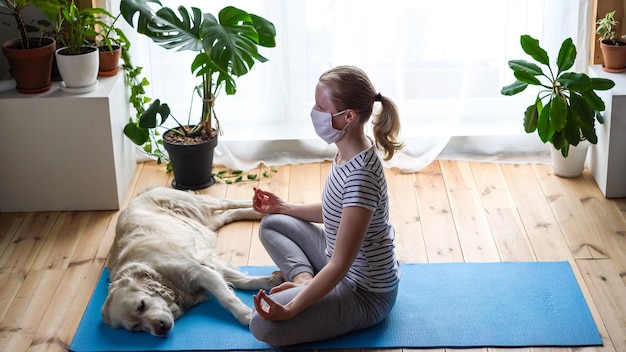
(297,246)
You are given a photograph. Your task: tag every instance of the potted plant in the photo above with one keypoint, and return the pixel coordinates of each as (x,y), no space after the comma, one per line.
(613,46)
(78,61)
(30,58)
(227,48)
(566,107)
(111,42)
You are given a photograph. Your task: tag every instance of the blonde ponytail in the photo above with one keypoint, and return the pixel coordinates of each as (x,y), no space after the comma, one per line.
(386,127)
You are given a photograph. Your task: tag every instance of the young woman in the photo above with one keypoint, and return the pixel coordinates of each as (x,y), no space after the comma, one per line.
(342,276)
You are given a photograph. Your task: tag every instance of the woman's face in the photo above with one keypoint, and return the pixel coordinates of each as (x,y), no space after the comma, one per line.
(324,103)
(323,100)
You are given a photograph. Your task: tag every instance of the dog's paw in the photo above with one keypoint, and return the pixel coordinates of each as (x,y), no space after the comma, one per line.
(244,316)
(275,279)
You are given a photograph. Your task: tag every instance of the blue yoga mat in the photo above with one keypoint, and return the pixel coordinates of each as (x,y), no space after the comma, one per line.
(439,305)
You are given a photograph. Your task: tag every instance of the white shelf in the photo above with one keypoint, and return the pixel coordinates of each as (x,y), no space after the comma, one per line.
(62,151)
(607,159)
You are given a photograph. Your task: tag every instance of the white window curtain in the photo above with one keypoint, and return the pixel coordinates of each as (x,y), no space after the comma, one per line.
(443,63)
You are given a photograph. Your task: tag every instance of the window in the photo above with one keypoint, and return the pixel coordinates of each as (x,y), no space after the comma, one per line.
(443,62)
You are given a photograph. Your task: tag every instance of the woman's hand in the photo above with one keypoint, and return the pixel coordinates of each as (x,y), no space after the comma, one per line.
(266,202)
(268,309)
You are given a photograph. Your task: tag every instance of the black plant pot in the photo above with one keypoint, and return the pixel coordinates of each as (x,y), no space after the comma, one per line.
(192,165)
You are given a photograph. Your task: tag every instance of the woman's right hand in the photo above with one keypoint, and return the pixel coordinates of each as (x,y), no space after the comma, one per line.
(266,202)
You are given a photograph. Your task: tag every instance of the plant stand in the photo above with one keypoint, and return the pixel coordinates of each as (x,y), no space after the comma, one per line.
(65,152)
(607,158)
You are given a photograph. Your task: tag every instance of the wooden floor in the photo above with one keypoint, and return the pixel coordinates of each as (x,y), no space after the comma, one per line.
(449,212)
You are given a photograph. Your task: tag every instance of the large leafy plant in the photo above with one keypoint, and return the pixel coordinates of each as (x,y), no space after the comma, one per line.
(566,107)
(226,46)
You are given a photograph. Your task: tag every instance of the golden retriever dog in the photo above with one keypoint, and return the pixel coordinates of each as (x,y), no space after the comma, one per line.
(163,260)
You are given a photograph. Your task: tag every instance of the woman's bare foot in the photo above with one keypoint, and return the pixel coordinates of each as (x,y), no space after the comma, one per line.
(302,278)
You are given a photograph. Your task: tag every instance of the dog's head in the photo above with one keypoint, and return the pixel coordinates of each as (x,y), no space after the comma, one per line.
(138,301)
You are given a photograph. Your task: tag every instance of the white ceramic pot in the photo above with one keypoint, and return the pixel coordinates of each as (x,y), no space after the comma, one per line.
(78,71)
(574,164)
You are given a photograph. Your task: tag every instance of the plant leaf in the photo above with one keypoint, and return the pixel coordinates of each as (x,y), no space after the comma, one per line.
(266,31)
(581,110)
(513,88)
(544,128)
(578,82)
(524,76)
(602,83)
(599,117)
(523,65)
(531,116)
(558,113)
(571,131)
(593,100)
(531,47)
(139,136)
(231,42)
(149,118)
(559,143)
(590,135)
(567,55)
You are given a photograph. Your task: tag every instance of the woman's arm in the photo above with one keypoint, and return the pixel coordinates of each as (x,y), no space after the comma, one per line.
(309,212)
(352,230)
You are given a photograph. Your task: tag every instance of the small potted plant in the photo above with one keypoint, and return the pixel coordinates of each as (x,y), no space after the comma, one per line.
(111,42)
(566,107)
(78,61)
(612,45)
(227,48)
(30,57)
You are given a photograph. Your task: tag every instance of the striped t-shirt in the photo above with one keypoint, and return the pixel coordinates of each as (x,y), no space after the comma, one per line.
(361,182)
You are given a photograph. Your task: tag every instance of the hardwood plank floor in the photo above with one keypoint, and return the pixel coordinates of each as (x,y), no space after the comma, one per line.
(451,211)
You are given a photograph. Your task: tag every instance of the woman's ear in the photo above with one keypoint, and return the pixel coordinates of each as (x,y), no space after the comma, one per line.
(351,115)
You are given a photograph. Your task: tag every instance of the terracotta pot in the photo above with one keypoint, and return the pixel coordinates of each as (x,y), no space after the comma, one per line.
(32,67)
(614,57)
(109,60)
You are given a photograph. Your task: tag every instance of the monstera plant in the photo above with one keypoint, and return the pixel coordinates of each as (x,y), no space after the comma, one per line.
(566,107)
(227,48)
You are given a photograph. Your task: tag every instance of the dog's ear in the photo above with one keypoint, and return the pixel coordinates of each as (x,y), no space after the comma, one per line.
(106,307)
(106,316)
(113,287)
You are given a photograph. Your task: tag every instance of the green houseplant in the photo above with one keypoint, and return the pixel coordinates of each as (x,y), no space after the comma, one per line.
(30,57)
(566,107)
(612,45)
(78,61)
(227,48)
(111,41)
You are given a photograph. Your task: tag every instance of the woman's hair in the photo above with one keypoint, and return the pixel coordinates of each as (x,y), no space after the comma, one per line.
(351,89)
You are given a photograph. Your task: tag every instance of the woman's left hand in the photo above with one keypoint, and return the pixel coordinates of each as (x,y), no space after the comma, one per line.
(268,309)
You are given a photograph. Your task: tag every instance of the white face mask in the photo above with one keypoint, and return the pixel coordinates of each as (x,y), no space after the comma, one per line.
(323,124)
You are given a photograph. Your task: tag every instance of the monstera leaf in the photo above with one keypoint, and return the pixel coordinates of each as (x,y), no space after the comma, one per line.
(228,43)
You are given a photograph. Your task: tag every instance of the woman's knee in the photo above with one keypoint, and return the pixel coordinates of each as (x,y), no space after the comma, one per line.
(266,226)
(263,331)
(271,224)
